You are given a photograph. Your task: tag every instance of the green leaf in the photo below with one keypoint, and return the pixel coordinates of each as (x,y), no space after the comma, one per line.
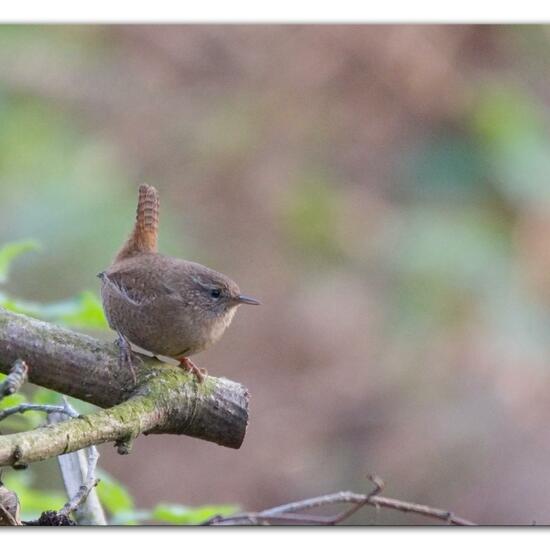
(10,251)
(113,495)
(84,311)
(184,515)
(132,517)
(12,400)
(87,311)
(43,396)
(33,501)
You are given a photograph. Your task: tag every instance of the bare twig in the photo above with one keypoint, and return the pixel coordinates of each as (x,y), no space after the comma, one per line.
(288,512)
(16,378)
(378,488)
(24,407)
(91,481)
(79,478)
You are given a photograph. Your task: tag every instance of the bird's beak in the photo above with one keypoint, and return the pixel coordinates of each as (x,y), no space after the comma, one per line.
(243,299)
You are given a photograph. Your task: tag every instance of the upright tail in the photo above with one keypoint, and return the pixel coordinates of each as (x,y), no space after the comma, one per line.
(144,235)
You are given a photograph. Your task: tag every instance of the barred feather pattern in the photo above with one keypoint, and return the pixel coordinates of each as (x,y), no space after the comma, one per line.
(144,235)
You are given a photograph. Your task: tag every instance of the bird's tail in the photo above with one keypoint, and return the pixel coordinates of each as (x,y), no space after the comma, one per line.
(143,238)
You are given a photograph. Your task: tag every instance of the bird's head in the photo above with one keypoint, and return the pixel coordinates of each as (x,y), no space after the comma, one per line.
(216,293)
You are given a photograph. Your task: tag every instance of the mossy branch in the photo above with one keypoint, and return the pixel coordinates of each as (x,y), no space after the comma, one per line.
(164,399)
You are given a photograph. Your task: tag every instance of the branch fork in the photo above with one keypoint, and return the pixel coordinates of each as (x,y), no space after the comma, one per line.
(163,399)
(292,513)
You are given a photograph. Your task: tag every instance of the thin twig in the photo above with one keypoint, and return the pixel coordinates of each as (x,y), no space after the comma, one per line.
(15,379)
(91,481)
(24,407)
(69,409)
(378,488)
(287,512)
(79,476)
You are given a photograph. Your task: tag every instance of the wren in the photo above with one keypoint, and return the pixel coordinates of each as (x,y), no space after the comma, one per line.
(167,306)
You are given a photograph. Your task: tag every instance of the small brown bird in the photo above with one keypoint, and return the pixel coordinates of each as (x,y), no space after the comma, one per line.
(165,305)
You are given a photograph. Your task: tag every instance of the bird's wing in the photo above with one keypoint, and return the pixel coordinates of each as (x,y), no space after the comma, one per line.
(131,288)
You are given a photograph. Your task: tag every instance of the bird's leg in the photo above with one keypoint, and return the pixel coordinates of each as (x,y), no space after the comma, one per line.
(125,355)
(189,366)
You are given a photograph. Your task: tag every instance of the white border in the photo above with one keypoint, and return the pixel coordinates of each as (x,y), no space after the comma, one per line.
(228,538)
(298,11)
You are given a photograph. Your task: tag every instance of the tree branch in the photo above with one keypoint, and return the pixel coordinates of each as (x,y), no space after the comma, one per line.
(164,399)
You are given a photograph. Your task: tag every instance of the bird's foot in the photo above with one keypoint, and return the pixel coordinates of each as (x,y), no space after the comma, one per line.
(125,355)
(189,366)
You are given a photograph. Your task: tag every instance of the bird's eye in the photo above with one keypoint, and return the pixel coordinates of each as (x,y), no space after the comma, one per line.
(215,293)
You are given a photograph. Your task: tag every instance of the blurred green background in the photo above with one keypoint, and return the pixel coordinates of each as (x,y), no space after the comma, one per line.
(382,189)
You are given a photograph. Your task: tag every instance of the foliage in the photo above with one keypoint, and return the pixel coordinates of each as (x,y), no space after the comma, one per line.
(120,505)
(82,311)
(10,251)
(116,500)
(183,515)
(33,501)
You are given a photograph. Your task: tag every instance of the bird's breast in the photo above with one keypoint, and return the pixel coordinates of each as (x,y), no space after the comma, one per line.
(220,324)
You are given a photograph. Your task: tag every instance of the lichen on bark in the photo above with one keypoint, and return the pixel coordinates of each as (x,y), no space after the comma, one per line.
(165,399)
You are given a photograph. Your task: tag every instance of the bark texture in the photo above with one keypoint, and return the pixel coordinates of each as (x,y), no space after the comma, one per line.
(164,399)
